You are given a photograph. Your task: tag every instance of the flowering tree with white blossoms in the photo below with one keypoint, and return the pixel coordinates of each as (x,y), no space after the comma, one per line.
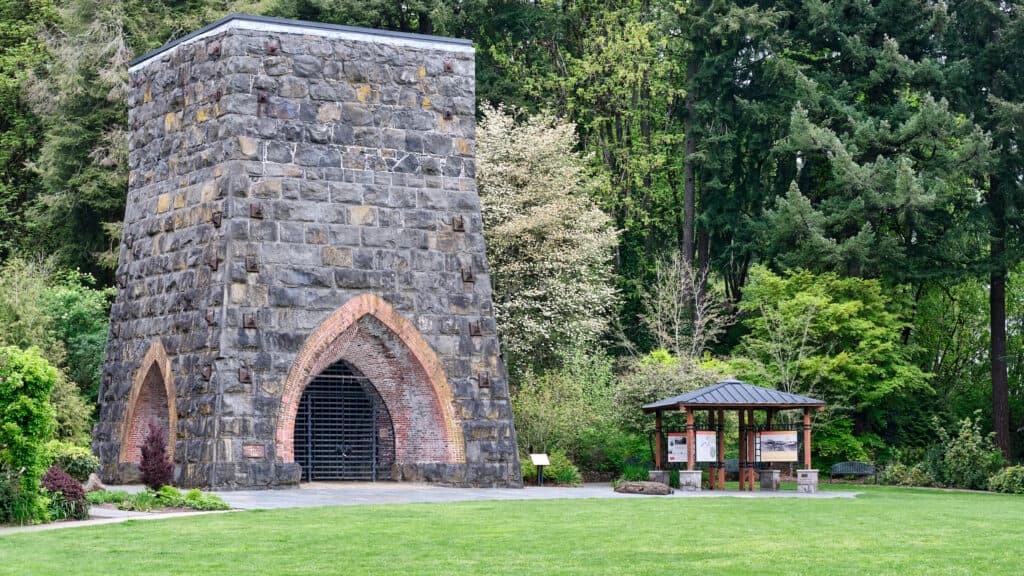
(550,247)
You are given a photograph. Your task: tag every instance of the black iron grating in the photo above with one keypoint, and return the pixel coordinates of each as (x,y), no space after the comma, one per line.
(343,430)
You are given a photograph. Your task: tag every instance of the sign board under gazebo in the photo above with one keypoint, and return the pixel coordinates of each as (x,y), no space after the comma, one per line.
(744,399)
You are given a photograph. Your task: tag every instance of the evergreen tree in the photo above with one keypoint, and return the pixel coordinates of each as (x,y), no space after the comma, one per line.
(985,50)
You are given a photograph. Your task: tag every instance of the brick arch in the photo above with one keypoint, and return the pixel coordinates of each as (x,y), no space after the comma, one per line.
(152,397)
(378,341)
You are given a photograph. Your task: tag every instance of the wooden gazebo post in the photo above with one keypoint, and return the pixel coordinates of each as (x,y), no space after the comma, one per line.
(720,434)
(741,464)
(807,438)
(751,448)
(691,448)
(657,440)
(712,473)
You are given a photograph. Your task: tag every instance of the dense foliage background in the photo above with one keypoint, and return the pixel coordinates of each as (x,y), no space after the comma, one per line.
(823,197)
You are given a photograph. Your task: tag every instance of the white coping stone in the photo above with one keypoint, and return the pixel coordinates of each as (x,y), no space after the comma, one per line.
(284,28)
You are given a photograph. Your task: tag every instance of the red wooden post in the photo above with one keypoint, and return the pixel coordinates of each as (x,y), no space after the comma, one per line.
(807,438)
(713,472)
(751,448)
(742,448)
(690,440)
(657,440)
(721,449)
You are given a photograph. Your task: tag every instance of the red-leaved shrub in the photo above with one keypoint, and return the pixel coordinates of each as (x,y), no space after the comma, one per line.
(68,492)
(156,467)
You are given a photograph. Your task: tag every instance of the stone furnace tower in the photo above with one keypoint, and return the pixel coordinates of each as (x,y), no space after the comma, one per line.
(303,286)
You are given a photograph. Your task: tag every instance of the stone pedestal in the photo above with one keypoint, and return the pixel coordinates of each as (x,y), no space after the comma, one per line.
(658,476)
(807,481)
(689,480)
(769,480)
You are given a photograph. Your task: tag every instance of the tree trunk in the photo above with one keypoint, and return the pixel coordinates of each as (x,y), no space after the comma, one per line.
(691,149)
(997,319)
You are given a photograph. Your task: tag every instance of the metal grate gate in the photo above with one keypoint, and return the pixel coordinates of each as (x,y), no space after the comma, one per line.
(343,430)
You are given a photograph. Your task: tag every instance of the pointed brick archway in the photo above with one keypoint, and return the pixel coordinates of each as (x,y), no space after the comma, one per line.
(378,341)
(152,399)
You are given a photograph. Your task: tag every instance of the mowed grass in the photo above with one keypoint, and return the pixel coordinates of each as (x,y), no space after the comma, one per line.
(885,531)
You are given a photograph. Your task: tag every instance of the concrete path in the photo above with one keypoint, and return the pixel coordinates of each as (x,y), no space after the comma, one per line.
(352,494)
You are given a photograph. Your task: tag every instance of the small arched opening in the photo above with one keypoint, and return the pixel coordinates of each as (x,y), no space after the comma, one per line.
(150,402)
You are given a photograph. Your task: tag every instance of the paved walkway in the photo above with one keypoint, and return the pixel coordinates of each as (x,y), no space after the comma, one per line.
(353,494)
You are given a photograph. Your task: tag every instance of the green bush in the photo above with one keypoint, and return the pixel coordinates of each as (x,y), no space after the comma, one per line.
(107,496)
(26,416)
(527,468)
(205,501)
(165,497)
(900,474)
(16,505)
(77,461)
(140,502)
(834,442)
(1009,480)
(673,478)
(607,449)
(562,470)
(170,497)
(970,457)
(635,472)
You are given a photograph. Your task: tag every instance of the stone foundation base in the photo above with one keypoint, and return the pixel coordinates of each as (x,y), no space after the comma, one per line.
(807,481)
(263,475)
(769,480)
(689,480)
(660,476)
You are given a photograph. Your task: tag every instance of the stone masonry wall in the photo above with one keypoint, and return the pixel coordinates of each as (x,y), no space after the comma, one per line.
(275,176)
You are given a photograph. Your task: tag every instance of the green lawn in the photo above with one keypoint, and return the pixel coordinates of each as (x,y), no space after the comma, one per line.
(885,531)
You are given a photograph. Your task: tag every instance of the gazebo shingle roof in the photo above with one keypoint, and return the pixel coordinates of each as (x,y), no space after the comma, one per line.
(735,394)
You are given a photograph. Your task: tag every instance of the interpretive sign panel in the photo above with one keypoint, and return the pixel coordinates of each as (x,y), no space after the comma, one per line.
(779,446)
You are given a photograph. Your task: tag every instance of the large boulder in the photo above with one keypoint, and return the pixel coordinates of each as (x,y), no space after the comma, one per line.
(651,488)
(93,484)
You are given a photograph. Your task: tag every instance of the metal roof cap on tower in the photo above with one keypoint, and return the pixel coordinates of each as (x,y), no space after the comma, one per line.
(284,25)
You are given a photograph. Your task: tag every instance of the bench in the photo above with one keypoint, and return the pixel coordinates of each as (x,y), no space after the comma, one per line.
(852,469)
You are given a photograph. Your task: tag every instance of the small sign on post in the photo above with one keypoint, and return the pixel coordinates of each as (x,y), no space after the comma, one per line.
(540,461)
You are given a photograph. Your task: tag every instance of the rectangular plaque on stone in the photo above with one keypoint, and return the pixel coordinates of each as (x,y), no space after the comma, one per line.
(254,451)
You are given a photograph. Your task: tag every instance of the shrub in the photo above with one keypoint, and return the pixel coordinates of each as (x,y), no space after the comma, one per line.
(107,496)
(1009,480)
(26,416)
(527,468)
(673,478)
(73,413)
(77,461)
(556,407)
(607,449)
(562,470)
(970,458)
(635,472)
(205,501)
(16,505)
(900,474)
(67,497)
(156,468)
(140,502)
(170,497)
(165,497)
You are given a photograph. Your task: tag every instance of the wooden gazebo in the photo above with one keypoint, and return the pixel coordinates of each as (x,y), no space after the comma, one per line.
(744,399)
